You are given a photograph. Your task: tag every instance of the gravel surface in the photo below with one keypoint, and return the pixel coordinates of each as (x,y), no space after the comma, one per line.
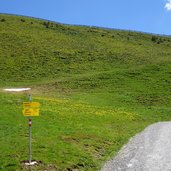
(148,151)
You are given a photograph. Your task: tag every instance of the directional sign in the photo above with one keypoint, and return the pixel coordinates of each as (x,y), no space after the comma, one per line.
(31,108)
(31,112)
(31,104)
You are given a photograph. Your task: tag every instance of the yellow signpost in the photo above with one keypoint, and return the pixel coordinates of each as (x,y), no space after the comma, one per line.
(31,108)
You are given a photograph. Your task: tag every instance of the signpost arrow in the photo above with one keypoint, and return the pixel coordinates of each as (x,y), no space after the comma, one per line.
(31,104)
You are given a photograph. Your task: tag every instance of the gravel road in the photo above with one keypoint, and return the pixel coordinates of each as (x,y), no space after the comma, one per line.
(148,151)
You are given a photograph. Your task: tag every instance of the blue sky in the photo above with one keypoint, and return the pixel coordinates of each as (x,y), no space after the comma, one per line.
(153,16)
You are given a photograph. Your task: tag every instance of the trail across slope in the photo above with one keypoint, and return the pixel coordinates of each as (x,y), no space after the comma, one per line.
(147,151)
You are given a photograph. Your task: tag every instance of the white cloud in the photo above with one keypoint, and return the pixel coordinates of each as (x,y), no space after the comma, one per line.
(168,5)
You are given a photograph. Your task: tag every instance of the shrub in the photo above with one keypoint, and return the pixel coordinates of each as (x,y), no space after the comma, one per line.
(3,20)
(22,20)
(154,38)
(157,40)
(46,24)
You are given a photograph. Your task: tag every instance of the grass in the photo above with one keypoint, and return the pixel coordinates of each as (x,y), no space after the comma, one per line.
(68,135)
(97,88)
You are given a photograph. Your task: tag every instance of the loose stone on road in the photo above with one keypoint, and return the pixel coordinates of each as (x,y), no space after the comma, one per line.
(148,151)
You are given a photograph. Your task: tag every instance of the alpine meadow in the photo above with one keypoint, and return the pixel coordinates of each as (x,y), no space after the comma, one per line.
(97,88)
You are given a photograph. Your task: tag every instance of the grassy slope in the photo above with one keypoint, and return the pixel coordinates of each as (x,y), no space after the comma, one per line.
(97,88)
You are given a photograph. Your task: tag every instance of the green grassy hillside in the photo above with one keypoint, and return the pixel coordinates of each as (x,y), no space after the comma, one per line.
(97,88)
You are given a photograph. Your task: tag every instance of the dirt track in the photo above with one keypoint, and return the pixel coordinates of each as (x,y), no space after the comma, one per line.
(148,151)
